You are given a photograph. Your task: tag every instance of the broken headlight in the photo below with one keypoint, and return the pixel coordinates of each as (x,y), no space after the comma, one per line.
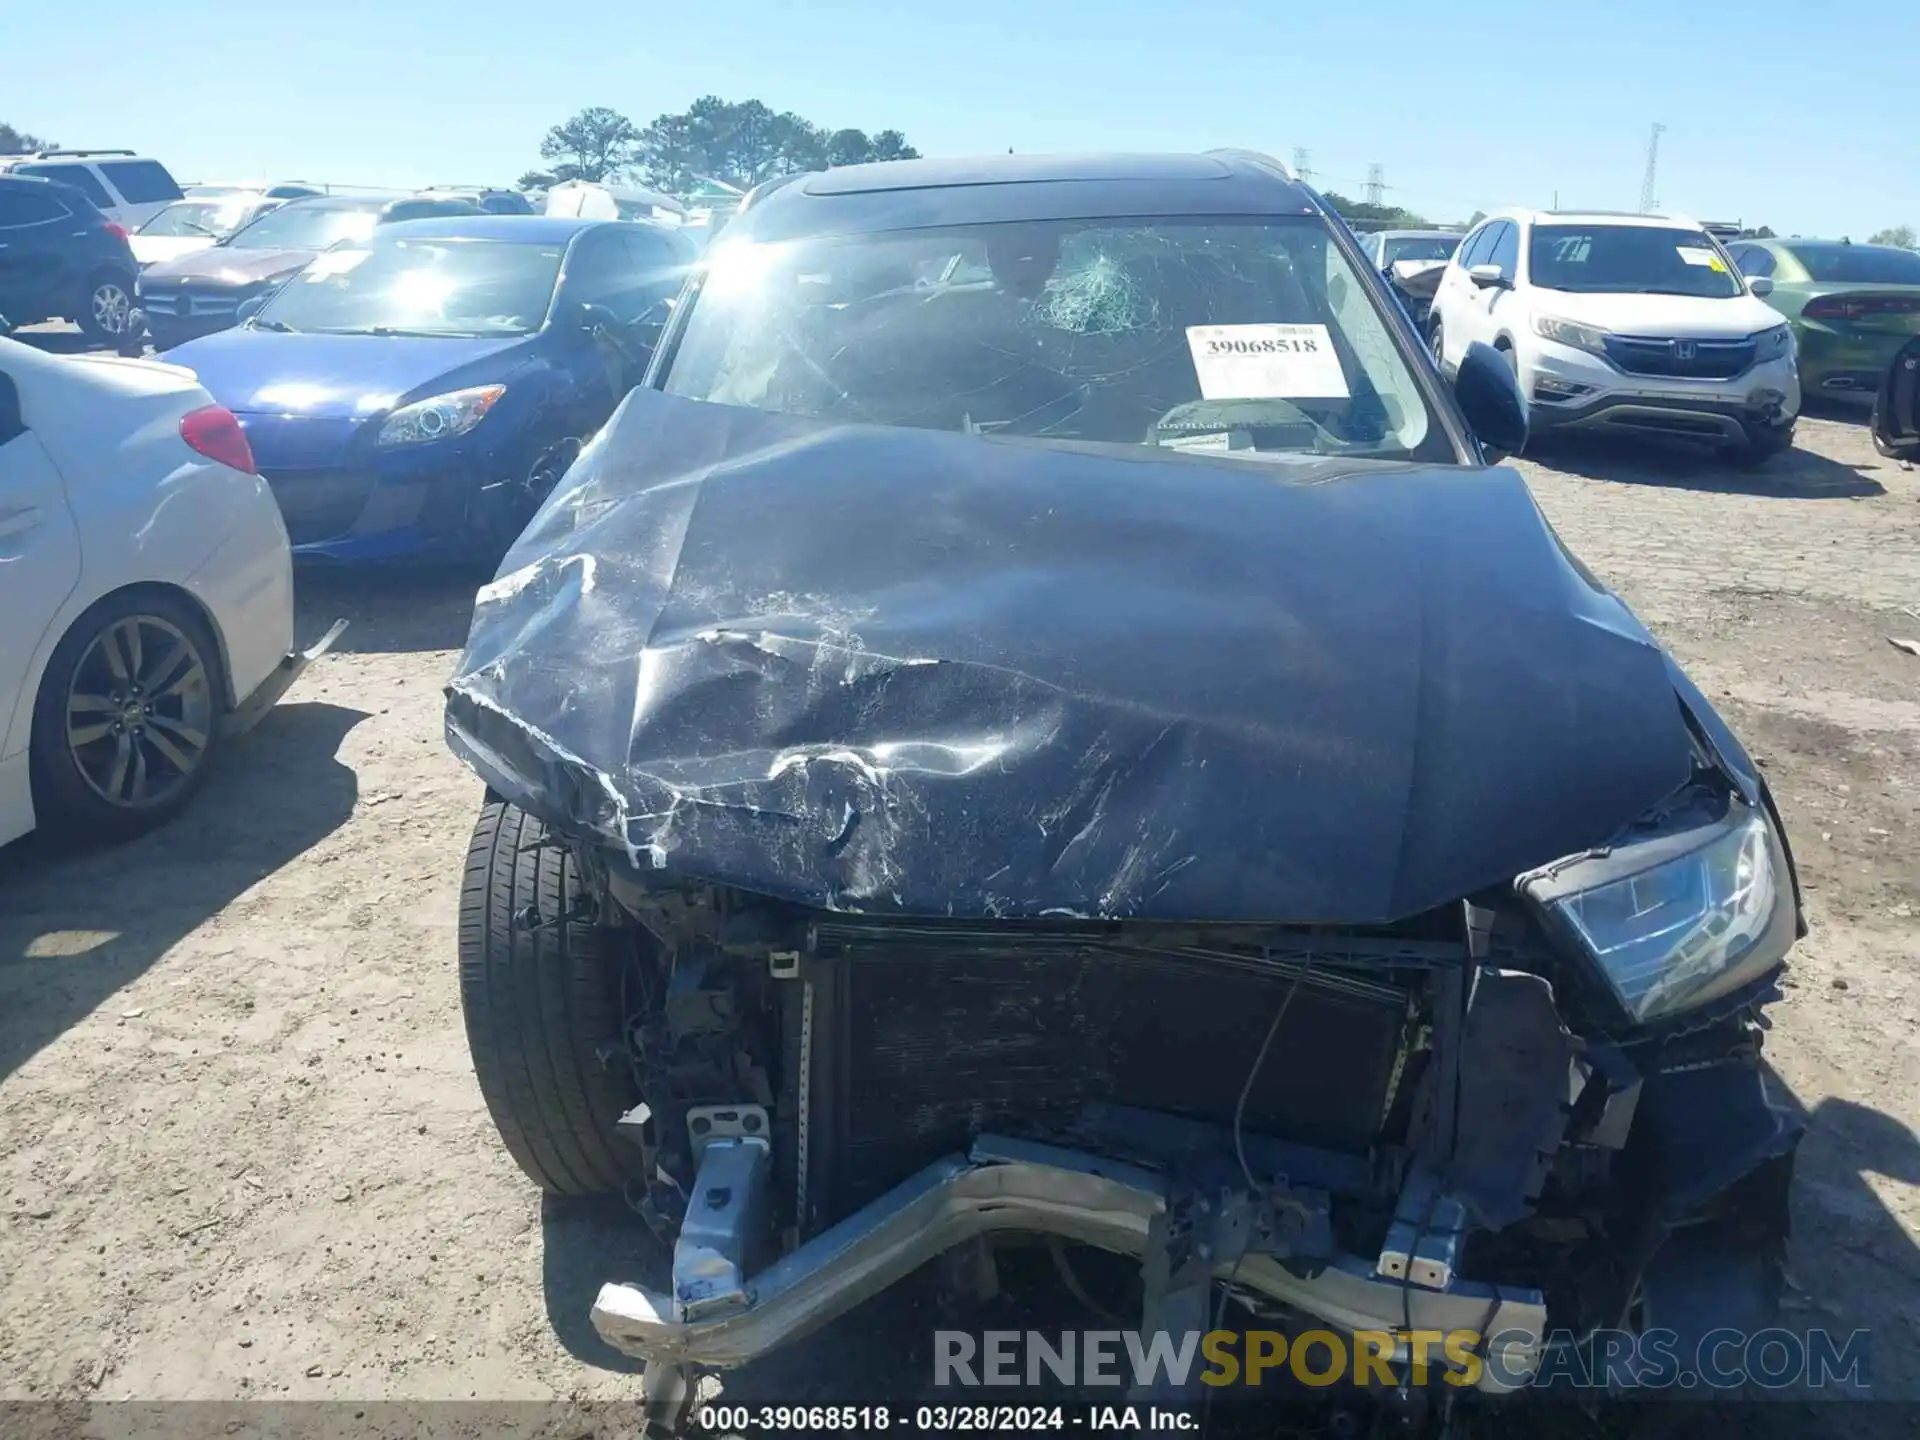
(1678,913)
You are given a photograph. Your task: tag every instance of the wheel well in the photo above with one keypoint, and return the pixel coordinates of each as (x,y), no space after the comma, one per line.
(174,592)
(1503,342)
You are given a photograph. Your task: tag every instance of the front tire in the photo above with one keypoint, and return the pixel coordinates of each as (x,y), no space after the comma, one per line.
(127,719)
(106,311)
(540,990)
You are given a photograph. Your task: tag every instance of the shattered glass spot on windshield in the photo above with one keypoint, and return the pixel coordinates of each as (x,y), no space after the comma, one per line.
(1098,297)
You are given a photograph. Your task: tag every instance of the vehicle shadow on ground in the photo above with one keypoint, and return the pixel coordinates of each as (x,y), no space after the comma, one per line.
(583,1244)
(1846,412)
(77,926)
(388,612)
(1799,474)
(1859,1266)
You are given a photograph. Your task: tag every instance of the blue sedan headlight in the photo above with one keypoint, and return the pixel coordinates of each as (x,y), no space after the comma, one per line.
(1679,913)
(439,417)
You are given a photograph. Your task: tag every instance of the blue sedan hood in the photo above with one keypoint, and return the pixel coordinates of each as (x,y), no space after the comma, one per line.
(263,372)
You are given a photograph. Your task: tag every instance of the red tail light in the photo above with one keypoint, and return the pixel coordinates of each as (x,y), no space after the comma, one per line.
(214,432)
(119,232)
(1855,307)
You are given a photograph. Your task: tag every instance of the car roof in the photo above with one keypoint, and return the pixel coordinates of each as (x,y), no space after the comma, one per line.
(1421,234)
(68,193)
(913,194)
(1808,242)
(526,229)
(1599,217)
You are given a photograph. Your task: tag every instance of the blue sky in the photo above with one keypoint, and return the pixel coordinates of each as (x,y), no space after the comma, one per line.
(1779,113)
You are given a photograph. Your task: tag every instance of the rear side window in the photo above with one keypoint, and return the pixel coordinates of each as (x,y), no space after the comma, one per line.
(81,177)
(1859,264)
(28,205)
(141,182)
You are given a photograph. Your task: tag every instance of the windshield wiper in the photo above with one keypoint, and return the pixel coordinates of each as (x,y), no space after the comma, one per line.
(393,331)
(278,325)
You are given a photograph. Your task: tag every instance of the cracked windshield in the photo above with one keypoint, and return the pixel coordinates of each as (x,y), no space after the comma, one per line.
(1253,337)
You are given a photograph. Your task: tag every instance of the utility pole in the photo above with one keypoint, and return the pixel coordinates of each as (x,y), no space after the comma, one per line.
(1302,164)
(1376,184)
(1653,163)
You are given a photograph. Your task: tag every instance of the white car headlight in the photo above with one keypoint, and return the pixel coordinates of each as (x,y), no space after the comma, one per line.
(1698,908)
(440,417)
(1772,344)
(1570,332)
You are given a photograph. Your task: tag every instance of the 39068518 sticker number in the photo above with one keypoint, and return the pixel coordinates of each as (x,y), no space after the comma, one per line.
(1266,362)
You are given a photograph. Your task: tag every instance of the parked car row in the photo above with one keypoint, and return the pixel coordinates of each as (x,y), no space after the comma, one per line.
(203,291)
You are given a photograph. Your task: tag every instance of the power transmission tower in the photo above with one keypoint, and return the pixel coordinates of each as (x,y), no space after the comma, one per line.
(1303,164)
(1653,162)
(1376,184)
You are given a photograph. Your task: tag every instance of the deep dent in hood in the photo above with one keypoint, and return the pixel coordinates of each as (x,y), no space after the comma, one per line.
(880,669)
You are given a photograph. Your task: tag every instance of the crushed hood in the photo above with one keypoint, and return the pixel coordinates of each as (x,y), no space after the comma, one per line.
(882,669)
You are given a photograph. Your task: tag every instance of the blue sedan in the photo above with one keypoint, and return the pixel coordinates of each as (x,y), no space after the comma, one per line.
(415,395)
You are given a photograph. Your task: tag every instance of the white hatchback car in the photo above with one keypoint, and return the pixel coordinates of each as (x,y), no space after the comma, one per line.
(146,592)
(1623,322)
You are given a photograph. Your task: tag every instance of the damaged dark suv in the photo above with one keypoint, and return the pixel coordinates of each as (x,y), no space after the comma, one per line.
(1041,717)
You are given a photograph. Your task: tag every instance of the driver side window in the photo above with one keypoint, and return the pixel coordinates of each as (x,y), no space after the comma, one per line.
(1473,250)
(1506,249)
(601,271)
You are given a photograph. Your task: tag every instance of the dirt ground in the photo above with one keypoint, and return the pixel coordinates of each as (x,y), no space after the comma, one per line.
(242,1154)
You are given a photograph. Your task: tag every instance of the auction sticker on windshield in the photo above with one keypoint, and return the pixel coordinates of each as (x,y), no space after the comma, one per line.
(1266,362)
(1699,255)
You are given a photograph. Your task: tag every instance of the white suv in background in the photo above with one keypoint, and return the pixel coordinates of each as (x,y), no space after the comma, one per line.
(1623,322)
(128,189)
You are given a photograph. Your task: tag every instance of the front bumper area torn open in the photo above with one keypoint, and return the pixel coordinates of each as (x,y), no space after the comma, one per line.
(1011,1185)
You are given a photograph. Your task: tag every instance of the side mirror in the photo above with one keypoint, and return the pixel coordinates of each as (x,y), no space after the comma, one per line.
(249,308)
(1490,398)
(1759,285)
(1489,277)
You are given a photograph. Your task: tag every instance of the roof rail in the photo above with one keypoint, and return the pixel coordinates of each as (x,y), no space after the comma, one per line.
(1255,157)
(75,154)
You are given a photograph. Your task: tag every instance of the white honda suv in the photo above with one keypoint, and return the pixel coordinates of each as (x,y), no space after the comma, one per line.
(1623,322)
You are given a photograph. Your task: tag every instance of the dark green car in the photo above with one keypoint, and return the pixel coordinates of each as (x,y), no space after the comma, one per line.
(1852,306)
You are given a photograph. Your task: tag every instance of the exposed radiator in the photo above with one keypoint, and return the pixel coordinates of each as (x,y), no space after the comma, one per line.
(921,1040)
